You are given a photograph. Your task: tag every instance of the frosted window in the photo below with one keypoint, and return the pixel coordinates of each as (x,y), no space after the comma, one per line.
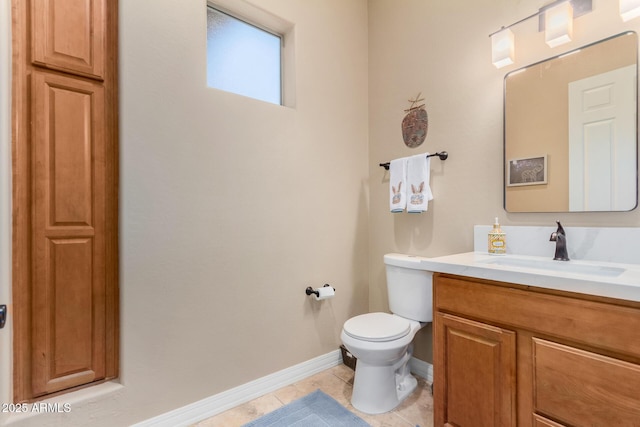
(242,58)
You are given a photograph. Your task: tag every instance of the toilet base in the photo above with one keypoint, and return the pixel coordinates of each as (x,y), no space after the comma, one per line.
(378,389)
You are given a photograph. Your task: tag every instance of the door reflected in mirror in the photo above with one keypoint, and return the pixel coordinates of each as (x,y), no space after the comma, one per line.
(578,111)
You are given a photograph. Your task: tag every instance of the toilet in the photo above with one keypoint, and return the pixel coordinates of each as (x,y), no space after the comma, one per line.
(382,342)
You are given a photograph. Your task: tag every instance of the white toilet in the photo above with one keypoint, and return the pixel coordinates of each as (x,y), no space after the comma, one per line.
(382,342)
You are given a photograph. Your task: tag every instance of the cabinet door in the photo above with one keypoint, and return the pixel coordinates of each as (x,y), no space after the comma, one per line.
(475,377)
(69,35)
(68,233)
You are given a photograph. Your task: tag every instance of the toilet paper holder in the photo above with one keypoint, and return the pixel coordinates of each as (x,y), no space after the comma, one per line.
(310,291)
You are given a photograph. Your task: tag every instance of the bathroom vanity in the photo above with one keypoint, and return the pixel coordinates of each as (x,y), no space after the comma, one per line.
(520,342)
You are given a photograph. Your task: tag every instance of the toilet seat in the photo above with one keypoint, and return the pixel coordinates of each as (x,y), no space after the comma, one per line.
(377,327)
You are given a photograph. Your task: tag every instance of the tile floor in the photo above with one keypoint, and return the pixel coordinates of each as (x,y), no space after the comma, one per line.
(337,382)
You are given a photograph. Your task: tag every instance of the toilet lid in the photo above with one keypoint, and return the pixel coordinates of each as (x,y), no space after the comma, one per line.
(377,327)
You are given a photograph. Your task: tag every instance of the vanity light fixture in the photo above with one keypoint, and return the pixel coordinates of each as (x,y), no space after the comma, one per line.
(558,24)
(502,48)
(629,9)
(555,19)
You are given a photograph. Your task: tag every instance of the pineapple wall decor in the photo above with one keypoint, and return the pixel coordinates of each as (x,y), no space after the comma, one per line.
(415,123)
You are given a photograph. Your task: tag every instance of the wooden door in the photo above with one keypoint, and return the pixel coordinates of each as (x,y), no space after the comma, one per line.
(475,385)
(65,223)
(602,141)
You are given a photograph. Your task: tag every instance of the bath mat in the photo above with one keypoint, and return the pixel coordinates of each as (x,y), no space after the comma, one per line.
(314,410)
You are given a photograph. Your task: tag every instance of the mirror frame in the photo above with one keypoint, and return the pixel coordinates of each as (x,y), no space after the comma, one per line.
(504,127)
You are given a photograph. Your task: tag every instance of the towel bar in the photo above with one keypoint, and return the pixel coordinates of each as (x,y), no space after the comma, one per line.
(443,156)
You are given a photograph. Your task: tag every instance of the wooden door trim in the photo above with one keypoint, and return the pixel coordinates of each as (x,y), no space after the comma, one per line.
(21,205)
(112,183)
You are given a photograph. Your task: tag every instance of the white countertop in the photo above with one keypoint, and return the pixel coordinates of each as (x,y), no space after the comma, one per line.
(607,279)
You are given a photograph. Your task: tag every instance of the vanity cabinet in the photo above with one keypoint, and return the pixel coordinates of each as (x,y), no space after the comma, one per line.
(514,355)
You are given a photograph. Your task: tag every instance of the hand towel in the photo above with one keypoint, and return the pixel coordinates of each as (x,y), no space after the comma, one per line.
(418,190)
(398,185)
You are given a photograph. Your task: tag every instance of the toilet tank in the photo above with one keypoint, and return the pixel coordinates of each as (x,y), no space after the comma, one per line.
(409,287)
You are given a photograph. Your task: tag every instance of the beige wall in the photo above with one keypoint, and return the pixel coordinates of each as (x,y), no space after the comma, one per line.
(442,49)
(232,207)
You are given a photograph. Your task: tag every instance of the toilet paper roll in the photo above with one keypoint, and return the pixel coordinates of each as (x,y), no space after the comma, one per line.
(325,292)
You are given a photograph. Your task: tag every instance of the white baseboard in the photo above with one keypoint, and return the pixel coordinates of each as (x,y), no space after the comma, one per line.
(213,405)
(422,369)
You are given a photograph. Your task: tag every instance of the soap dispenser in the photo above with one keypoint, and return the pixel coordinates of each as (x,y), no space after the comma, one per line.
(497,240)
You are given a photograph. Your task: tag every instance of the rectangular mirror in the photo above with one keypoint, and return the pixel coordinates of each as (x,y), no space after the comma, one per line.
(570,138)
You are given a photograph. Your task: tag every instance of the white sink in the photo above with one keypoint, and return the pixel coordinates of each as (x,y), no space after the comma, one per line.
(607,279)
(560,266)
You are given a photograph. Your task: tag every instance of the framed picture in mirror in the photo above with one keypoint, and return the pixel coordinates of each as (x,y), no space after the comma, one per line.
(527,171)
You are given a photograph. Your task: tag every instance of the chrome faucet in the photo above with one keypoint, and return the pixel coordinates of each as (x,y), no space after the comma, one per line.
(560,238)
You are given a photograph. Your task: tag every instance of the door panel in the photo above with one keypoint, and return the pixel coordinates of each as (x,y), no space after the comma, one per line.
(69,35)
(70,162)
(69,233)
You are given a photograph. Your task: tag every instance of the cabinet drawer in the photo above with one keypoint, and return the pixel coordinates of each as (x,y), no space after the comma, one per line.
(578,387)
(611,327)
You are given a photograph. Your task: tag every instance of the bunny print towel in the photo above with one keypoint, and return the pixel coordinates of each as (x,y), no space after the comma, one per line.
(418,191)
(398,185)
